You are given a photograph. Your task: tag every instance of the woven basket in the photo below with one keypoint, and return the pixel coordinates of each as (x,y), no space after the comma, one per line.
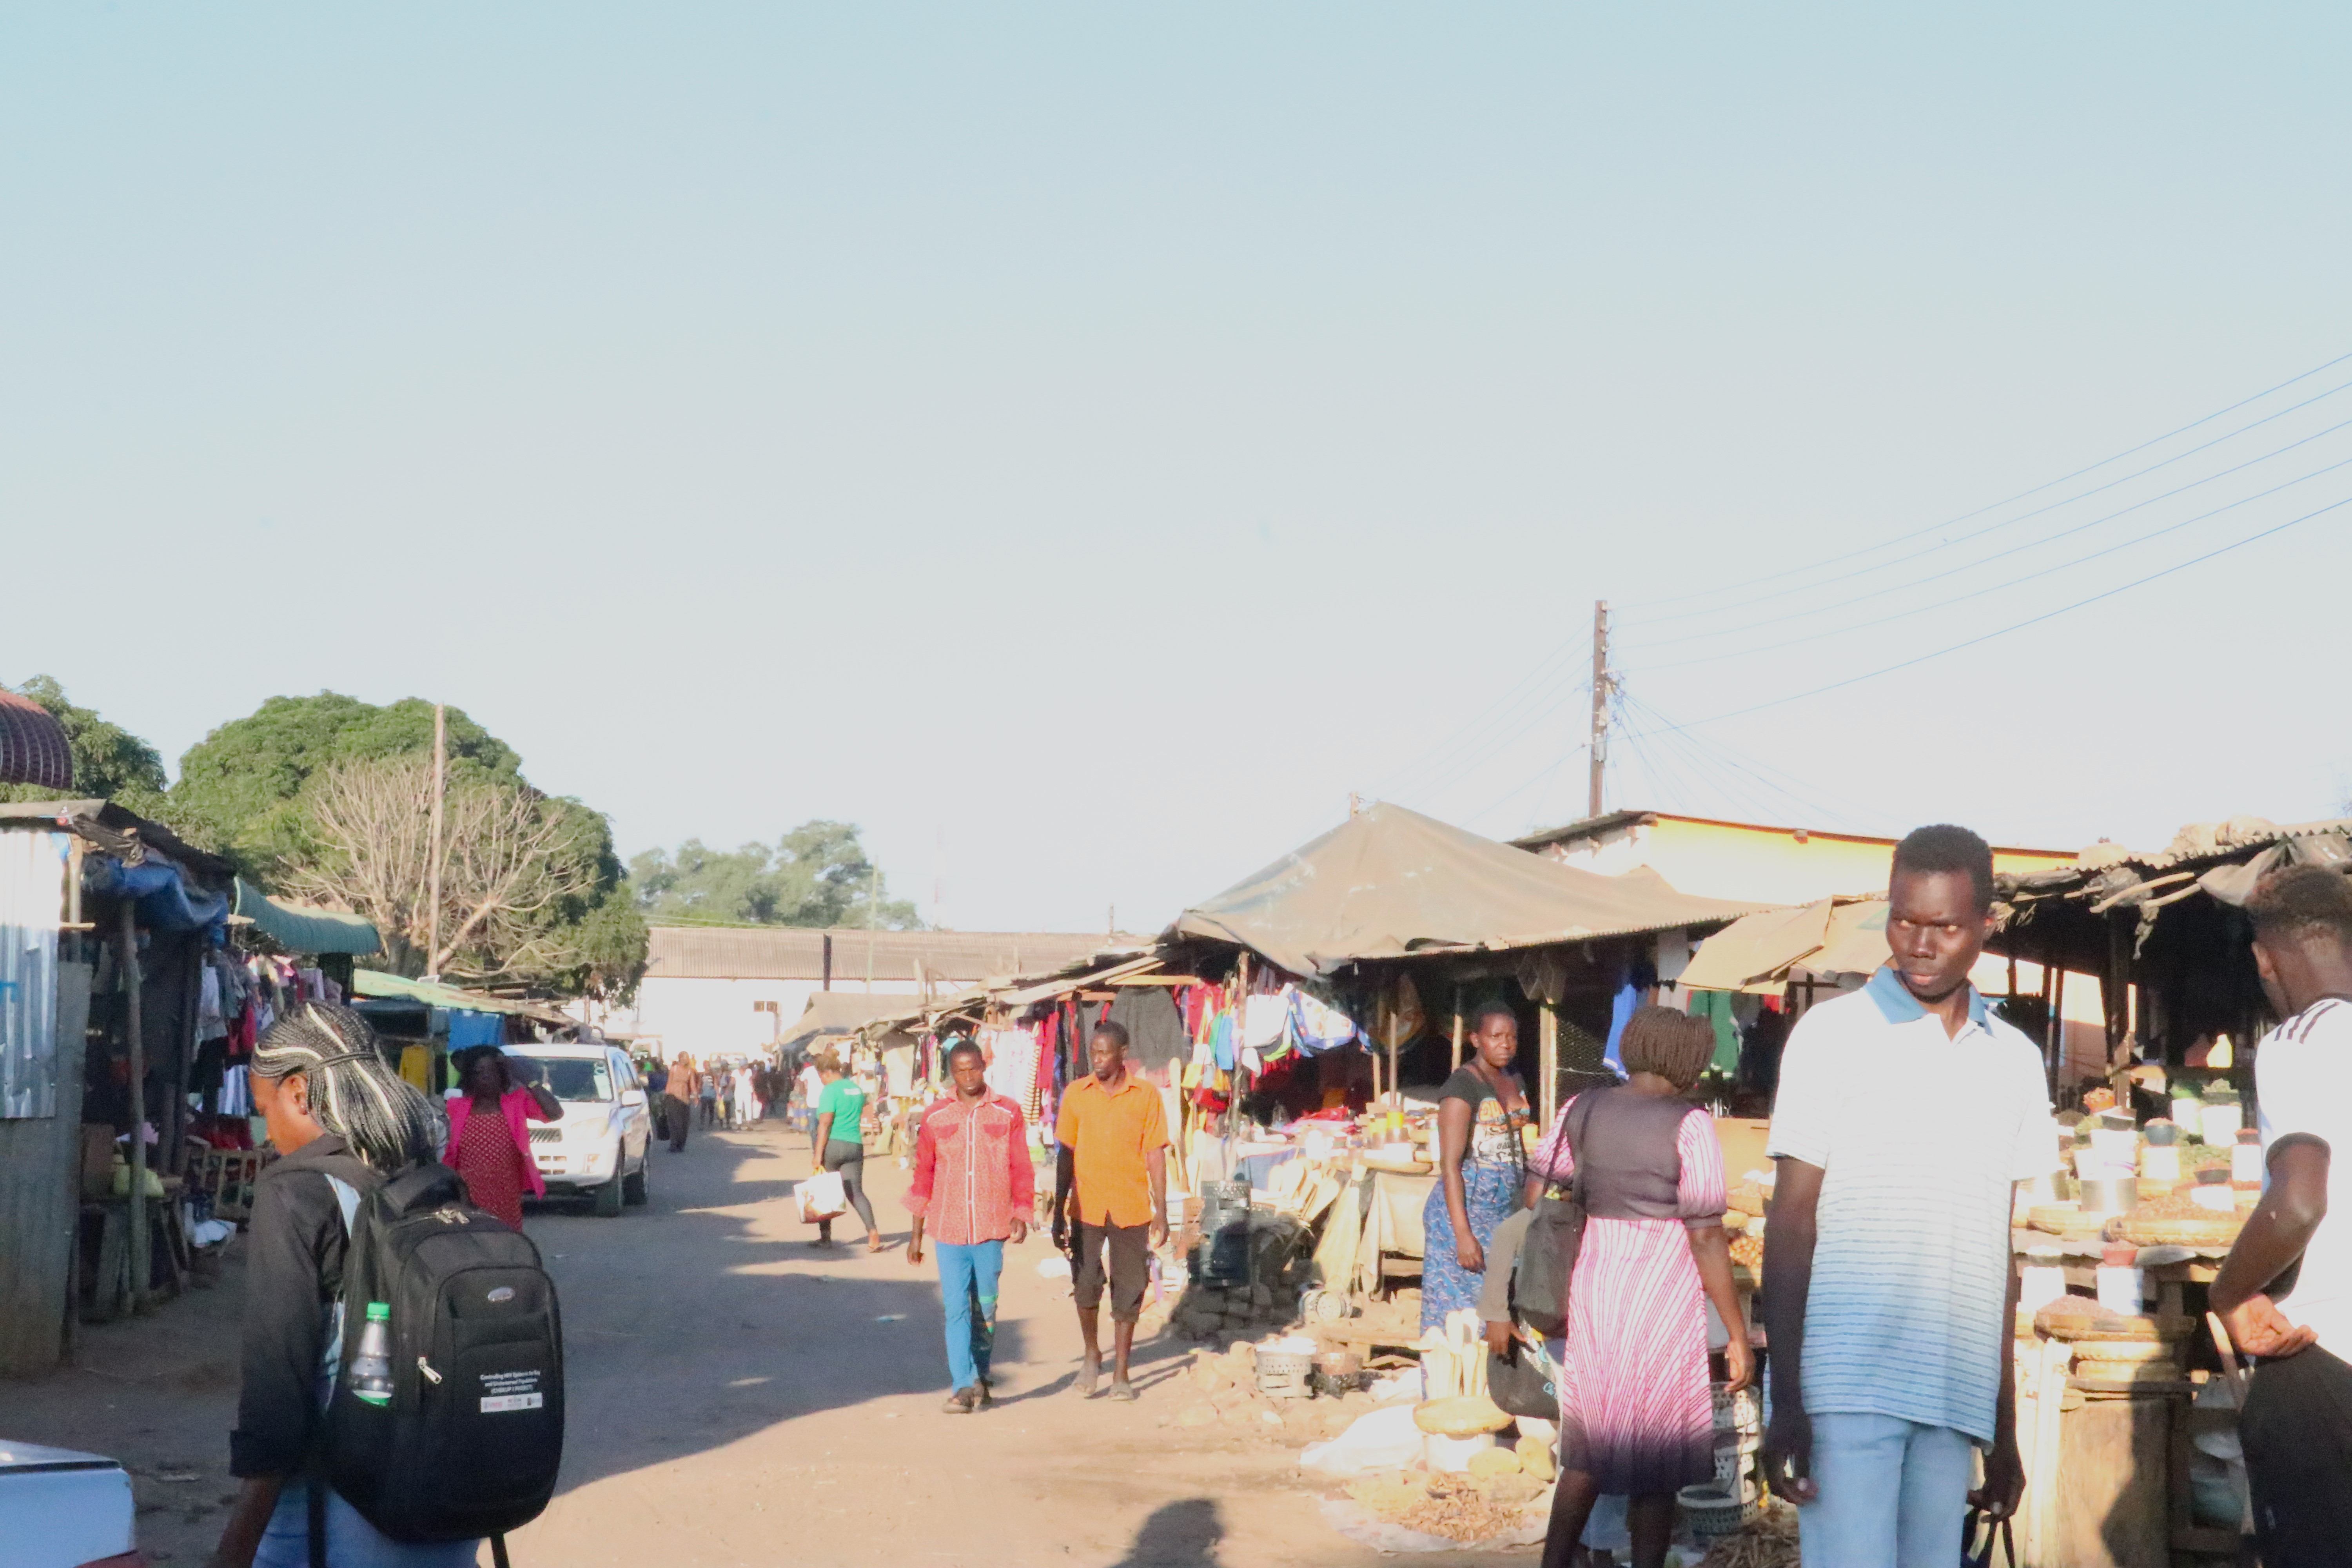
(2075,1327)
(2218,1231)
(2066,1220)
(2114,1350)
(2127,1371)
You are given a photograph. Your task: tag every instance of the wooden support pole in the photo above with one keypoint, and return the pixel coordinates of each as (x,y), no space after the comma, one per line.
(139,1262)
(1460,1025)
(1548,1037)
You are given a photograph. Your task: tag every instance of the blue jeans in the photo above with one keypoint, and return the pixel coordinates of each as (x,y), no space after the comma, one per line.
(351,1541)
(968,1291)
(1895,1493)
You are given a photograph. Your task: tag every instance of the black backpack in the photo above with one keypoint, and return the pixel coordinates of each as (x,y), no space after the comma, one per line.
(469,1442)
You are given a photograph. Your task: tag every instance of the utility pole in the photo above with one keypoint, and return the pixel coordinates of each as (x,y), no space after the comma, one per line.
(433,857)
(1600,700)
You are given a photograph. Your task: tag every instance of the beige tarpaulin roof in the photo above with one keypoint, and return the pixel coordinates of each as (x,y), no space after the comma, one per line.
(1856,943)
(1389,882)
(841,1012)
(1756,953)
(1757,947)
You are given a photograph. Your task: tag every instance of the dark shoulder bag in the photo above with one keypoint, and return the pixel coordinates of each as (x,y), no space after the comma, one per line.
(1548,1258)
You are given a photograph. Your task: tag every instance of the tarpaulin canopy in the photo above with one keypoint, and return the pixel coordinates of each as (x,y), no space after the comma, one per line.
(841,1012)
(303,931)
(1390,883)
(1756,953)
(375,983)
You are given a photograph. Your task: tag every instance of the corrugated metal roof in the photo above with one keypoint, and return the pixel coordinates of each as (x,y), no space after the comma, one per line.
(32,746)
(797,952)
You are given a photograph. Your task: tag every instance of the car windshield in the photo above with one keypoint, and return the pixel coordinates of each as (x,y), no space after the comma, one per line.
(575,1078)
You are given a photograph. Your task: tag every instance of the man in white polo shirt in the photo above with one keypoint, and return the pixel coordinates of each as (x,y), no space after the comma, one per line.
(1906,1115)
(2297,1421)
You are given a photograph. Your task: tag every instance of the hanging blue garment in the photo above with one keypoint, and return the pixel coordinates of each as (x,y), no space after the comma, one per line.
(1637,978)
(1221,1040)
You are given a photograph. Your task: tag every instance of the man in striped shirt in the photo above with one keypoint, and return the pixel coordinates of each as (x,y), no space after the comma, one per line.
(1906,1114)
(973,1187)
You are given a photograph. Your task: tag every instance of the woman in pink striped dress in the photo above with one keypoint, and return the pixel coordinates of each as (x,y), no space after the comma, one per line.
(1636,1418)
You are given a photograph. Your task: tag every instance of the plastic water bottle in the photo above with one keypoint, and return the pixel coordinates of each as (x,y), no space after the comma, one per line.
(371,1367)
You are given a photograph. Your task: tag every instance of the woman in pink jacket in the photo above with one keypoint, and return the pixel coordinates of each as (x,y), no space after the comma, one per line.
(488,1143)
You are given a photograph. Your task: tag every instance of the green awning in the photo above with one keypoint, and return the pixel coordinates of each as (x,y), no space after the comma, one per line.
(303,931)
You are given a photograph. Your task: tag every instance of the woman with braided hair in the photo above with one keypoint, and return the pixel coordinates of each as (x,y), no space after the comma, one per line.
(341,1120)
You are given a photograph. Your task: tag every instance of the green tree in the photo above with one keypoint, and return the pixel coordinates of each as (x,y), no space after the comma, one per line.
(240,787)
(110,762)
(275,792)
(816,874)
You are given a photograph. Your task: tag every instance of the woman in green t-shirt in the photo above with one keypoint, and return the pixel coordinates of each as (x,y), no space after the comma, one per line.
(841,1134)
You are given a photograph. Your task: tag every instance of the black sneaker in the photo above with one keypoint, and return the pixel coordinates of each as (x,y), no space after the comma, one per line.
(961,1402)
(984,1398)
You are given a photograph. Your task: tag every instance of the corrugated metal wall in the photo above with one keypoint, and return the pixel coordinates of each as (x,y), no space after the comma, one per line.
(41,1162)
(32,902)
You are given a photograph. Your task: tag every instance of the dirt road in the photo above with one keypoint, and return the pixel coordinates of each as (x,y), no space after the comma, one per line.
(738,1397)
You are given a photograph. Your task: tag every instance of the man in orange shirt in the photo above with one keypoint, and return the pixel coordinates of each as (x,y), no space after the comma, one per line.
(1112,1170)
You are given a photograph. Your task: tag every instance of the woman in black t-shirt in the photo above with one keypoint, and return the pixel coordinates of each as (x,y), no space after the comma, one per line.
(1481,1165)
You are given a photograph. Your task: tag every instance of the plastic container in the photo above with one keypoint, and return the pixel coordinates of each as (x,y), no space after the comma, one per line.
(2246,1159)
(2220,1123)
(1716,1509)
(2117,1195)
(2122,1289)
(1283,1374)
(2213,1191)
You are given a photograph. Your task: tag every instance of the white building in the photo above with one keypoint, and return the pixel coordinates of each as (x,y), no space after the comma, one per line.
(726,990)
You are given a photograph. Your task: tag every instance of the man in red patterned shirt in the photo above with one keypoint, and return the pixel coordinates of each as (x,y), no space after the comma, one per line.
(973,1187)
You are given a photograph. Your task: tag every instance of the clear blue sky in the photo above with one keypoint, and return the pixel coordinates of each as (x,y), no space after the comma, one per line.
(1082,445)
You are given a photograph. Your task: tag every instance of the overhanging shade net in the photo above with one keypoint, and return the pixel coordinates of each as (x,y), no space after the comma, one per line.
(304,931)
(33,748)
(1389,882)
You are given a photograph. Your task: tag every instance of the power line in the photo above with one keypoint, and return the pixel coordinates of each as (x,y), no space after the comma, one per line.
(2022,495)
(1513,696)
(2019,625)
(2013,582)
(2004,553)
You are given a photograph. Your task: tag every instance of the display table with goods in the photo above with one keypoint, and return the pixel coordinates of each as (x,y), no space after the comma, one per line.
(2127,1430)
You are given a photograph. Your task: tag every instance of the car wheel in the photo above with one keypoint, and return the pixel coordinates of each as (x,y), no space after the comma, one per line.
(635,1185)
(607,1200)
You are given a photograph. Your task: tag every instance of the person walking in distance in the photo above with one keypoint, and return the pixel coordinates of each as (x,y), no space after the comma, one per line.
(708,1088)
(812,1087)
(1888,1285)
(2296,1419)
(678,1101)
(841,1134)
(1110,1195)
(972,1190)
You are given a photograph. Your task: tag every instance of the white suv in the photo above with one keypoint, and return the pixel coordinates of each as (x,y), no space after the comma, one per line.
(602,1148)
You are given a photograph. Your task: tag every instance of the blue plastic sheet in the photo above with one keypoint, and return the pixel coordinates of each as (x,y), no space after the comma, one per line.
(159,890)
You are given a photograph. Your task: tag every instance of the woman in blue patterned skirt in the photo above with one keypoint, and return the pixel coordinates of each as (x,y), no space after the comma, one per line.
(1481,1165)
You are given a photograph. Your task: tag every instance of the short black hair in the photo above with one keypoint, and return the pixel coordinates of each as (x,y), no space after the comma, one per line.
(1943,847)
(2299,901)
(469,1055)
(1114,1031)
(1478,1018)
(962,1045)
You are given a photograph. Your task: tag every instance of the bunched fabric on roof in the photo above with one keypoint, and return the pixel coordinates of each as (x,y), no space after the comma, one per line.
(33,748)
(1389,882)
